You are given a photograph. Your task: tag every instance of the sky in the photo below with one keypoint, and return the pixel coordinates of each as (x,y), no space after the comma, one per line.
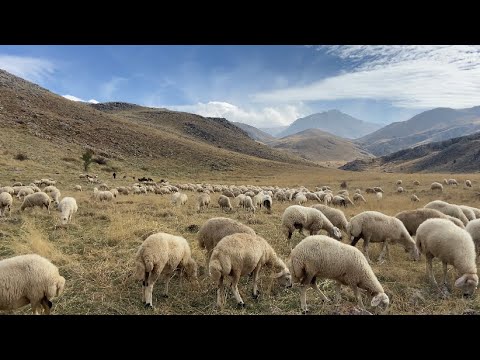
(261,85)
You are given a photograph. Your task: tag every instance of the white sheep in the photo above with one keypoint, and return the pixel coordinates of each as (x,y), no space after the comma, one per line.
(412,219)
(473,228)
(452,245)
(417,183)
(373,226)
(322,257)
(224,203)
(241,200)
(179,198)
(468,183)
(37,199)
(414,198)
(160,255)
(358,197)
(203,200)
(55,195)
(336,217)
(102,195)
(78,188)
(436,186)
(448,209)
(29,279)
(307,219)
(24,192)
(476,211)
(6,201)
(248,202)
(400,189)
(242,254)
(114,192)
(7,189)
(452,182)
(300,199)
(267,203)
(68,207)
(379,196)
(468,212)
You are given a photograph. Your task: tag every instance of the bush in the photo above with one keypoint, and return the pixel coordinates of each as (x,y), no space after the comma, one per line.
(100,160)
(21,156)
(87,158)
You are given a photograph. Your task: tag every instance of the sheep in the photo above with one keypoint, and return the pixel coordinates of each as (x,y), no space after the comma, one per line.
(358,197)
(214,229)
(68,207)
(358,191)
(248,203)
(343,192)
(203,200)
(241,254)
(160,255)
(448,209)
(473,228)
(55,195)
(440,238)
(436,186)
(339,201)
(7,189)
(49,189)
(452,182)
(29,279)
(378,189)
(445,181)
(475,211)
(6,201)
(224,203)
(24,192)
(228,193)
(322,257)
(78,188)
(267,203)
(414,198)
(468,183)
(336,217)
(123,190)
(373,226)
(327,199)
(37,199)
(301,199)
(399,182)
(417,183)
(307,219)
(400,189)
(379,196)
(179,198)
(102,195)
(468,212)
(412,219)
(241,200)
(456,221)
(18,183)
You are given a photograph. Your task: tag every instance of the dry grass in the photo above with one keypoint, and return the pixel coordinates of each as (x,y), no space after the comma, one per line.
(96,252)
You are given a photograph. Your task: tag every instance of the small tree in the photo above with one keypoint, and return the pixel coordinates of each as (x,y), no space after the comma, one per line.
(87,158)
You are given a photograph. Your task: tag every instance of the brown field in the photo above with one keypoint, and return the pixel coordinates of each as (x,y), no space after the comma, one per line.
(96,253)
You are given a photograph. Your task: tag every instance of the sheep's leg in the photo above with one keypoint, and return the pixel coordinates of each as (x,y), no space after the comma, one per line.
(365,250)
(358,295)
(37,308)
(235,279)
(429,267)
(445,287)
(384,249)
(255,273)
(220,293)
(338,294)
(47,305)
(208,255)
(315,287)
(303,299)
(149,287)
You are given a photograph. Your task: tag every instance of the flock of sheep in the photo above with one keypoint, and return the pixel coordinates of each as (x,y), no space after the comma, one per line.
(442,230)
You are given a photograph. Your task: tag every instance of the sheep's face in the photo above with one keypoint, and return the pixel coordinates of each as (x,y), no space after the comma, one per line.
(414,253)
(336,233)
(191,269)
(381,300)
(468,284)
(284,278)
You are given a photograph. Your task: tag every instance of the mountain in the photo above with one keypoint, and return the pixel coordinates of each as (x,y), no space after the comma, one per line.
(54,132)
(334,122)
(461,154)
(254,133)
(429,126)
(319,146)
(274,131)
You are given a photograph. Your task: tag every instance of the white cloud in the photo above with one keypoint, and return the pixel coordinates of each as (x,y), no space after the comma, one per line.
(267,116)
(74,98)
(407,76)
(108,89)
(29,68)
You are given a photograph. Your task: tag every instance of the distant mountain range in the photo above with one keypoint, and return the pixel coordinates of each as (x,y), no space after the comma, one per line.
(274,131)
(254,133)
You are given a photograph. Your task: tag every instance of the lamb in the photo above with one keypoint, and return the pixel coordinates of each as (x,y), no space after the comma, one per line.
(412,219)
(358,197)
(440,238)
(214,229)
(241,254)
(68,207)
(224,203)
(436,186)
(468,212)
(37,199)
(161,254)
(203,200)
(179,198)
(78,188)
(336,217)
(307,219)
(414,198)
(6,201)
(322,257)
(473,228)
(373,226)
(448,209)
(468,183)
(248,203)
(29,279)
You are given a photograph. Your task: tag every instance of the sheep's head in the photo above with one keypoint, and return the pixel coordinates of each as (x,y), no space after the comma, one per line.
(468,283)
(284,278)
(191,269)
(381,300)
(336,233)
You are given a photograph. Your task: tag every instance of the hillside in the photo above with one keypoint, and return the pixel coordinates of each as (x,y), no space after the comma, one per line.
(457,155)
(319,146)
(255,133)
(274,131)
(333,121)
(39,122)
(429,126)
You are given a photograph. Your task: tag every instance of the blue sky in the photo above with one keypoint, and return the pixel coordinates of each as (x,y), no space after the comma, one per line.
(260,85)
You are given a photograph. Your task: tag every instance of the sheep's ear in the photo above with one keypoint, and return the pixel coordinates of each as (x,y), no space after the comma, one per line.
(461,280)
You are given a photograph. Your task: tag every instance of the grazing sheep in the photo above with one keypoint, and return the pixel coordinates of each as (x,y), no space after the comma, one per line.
(6,201)
(242,254)
(379,196)
(416,183)
(114,192)
(336,217)
(358,197)
(300,199)
(179,198)
(414,198)
(473,228)
(322,257)
(475,211)
(24,192)
(160,255)
(267,202)
(343,192)
(241,200)
(49,189)
(203,200)
(78,188)
(307,219)
(123,190)
(448,209)
(29,279)
(224,203)
(440,238)
(103,187)
(68,207)
(55,195)
(456,221)
(18,183)
(373,226)
(102,195)
(214,229)
(468,212)
(228,193)
(436,186)
(452,182)
(338,200)
(468,183)
(399,182)
(412,219)
(400,189)
(37,199)
(248,202)
(358,191)
(7,189)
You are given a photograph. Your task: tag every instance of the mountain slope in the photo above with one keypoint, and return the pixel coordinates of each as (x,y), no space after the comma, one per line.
(319,146)
(334,122)
(129,135)
(461,154)
(254,133)
(274,131)
(429,126)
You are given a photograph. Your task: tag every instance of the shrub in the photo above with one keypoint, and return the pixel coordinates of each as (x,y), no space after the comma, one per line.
(21,156)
